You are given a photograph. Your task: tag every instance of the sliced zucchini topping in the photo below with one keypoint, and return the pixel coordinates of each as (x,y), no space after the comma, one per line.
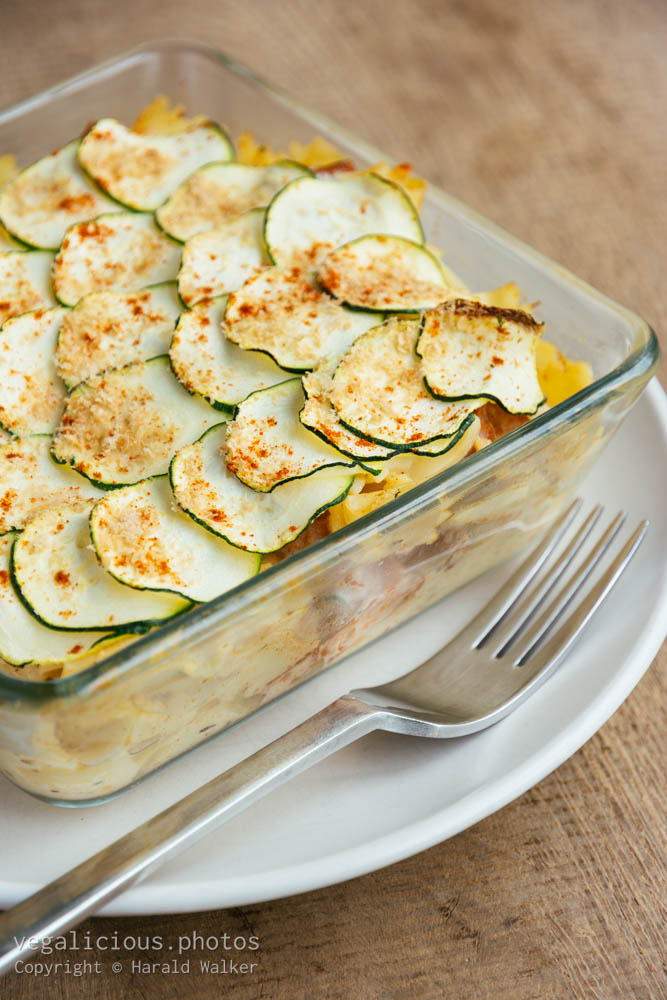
(112,329)
(267,444)
(379,392)
(468,431)
(25,282)
(7,242)
(30,481)
(32,395)
(221,191)
(125,425)
(221,259)
(421,463)
(60,580)
(312,216)
(43,200)
(469,350)
(141,171)
(24,639)
(318,415)
(185,284)
(144,540)
(123,251)
(387,274)
(282,313)
(259,522)
(206,362)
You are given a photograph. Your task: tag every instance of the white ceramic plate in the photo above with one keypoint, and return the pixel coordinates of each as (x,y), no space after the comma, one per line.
(386,797)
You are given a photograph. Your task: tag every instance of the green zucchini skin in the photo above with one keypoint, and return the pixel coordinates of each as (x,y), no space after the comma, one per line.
(218,261)
(481,311)
(448,442)
(335,459)
(305,171)
(401,448)
(298,326)
(31,476)
(245,371)
(365,374)
(128,213)
(271,246)
(37,334)
(194,412)
(278,548)
(409,246)
(95,482)
(168,590)
(337,498)
(131,627)
(170,285)
(487,396)
(21,633)
(214,126)
(23,241)
(348,454)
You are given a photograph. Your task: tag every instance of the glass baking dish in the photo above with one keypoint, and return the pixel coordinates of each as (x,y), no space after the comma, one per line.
(82,738)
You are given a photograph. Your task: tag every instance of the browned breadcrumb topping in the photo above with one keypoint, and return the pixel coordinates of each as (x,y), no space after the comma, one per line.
(117,425)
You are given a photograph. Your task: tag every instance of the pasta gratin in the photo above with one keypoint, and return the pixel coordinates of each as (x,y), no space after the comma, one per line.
(213,353)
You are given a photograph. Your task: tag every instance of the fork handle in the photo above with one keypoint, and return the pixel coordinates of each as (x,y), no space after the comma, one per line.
(68,900)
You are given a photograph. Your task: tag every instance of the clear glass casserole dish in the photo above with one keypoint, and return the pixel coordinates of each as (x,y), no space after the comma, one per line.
(85,737)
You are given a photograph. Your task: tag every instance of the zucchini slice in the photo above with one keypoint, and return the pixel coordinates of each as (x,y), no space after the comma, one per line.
(32,395)
(267,444)
(112,329)
(312,216)
(379,393)
(206,362)
(220,192)
(25,282)
(470,350)
(145,541)
(387,274)
(61,582)
(221,259)
(141,171)
(123,251)
(422,464)
(318,415)
(30,481)
(469,430)
(281,312)
(23,638)
(259,522)
(7,242)
(42,201)
(125,425)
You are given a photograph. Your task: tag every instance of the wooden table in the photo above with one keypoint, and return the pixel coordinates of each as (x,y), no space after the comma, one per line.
(550,119)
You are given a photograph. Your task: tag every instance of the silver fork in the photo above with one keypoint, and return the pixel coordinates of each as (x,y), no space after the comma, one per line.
(482,675)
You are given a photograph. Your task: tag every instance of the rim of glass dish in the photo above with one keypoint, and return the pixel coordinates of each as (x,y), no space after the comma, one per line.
(196,622)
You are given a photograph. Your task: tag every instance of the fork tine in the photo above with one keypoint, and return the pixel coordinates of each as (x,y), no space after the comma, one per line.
(519,615)
(552,612)
(555,648)
(479,628)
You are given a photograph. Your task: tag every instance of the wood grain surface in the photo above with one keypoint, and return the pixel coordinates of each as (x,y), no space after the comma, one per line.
(549,118)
